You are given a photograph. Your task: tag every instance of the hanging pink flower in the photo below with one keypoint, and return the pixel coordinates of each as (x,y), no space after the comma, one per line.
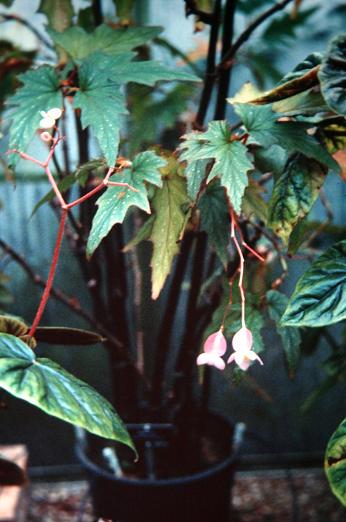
(242,346)
(214,347)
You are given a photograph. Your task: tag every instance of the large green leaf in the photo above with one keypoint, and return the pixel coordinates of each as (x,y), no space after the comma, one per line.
(332,75)
(102,104)
(290,336)
(319,298)
(263,125)
(79,44)
(59,13)
(215,219)
(335,462)
(231,161)
(294,193)
(40,92)
(303,67)
(46,385)
(114,203)
(170,218)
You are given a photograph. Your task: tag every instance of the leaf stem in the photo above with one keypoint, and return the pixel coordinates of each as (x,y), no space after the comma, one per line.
(46,293)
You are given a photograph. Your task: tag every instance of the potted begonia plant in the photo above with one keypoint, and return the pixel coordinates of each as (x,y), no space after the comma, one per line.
(217,208)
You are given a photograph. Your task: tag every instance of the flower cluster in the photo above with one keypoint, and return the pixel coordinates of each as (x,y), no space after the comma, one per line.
(49,118)
(216,345)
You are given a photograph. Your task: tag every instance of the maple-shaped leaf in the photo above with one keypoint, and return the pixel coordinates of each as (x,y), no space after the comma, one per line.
(263,125)
(40,92)
(231,161)
(114,203)
(102,104)
(79,44)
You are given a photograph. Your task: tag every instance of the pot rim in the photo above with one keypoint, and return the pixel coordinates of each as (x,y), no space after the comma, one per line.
(147,482)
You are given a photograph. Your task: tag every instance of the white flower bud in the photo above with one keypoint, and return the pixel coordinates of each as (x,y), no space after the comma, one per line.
(47,122)
(54,113)
(45,136)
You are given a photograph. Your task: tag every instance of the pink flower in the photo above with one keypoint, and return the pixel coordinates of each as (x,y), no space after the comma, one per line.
(243,354)
(214,347)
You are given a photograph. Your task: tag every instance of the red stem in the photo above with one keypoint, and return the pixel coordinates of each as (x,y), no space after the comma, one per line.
(46,292)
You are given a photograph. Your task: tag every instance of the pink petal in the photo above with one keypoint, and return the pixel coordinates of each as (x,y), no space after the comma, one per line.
(242,340)
(254,357)
(242,361)
(216,342)
(218,363)
(203,358)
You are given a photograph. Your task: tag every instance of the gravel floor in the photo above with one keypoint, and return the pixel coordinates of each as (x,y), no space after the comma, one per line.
(270,496)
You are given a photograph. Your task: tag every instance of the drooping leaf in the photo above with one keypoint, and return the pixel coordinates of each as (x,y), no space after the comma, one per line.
(40,92)
(170,218)
(263,125)
(114,203)
(46,385)
(298,236)
(65,335)
(79,44)
(332,75)
(294,193)
(290,336)
(335,462)
(143,233)
(59,13)
(305,103)
(311,61)
(215,219)
(319,298)
(333,136)
(253,202)
(231,161)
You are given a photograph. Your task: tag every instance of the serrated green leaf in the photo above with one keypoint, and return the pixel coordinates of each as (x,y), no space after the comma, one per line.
(79,44)
(59,13)
(102,104)
(46,385)
(290,336)
(114,203)
(40,92)
(231,161)
(335,462)
(319,298)
(215,219)
(263,125)
(170,218)
(332,75)
(195,173)
(294,193)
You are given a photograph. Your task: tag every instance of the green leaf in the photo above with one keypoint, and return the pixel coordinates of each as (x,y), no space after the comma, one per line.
(294,193)
(231,161)
(263,125)
(170,219)
(64,335)
(311,61)
(143,233)
(253,202)
(102,103)
(79,44)
(283,28)
(215,219)
(319,298)
(195,173)
(59,13)
(332,75)
(40,92)
(114,203)
(335,462)
(290,337)
(304,103)
(46,385)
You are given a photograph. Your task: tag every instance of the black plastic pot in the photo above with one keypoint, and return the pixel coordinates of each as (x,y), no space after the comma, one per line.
(204,496)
